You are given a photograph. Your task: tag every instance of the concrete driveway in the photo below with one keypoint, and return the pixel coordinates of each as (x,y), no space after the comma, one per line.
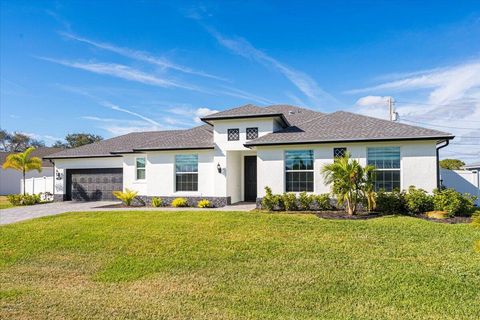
(17,214)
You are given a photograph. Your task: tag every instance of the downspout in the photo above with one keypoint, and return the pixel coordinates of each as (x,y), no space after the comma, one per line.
(53,178)
(447,142)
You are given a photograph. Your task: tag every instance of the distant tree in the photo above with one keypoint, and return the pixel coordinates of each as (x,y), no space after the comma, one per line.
(17,142)
(23,162)
(451,164)
(74,140)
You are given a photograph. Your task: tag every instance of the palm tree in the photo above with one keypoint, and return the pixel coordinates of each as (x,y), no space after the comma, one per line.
(348,179)
(23,162)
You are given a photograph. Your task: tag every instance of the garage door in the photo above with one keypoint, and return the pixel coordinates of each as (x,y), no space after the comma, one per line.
(93,184)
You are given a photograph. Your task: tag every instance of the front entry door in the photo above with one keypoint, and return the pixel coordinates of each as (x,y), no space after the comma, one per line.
(250,178)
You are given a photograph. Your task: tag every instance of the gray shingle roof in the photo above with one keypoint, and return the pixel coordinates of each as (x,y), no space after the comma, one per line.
(346,126)
(38,152)
(196,138)
(246,111)
(306,126)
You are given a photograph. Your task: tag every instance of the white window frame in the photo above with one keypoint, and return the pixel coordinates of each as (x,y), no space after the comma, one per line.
(399,169)
(192,172)
(137,168)
(285,170)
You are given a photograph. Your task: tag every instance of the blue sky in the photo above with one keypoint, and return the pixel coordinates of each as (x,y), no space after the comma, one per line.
(113,67)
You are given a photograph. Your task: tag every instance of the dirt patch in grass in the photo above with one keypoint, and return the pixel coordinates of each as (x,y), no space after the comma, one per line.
(452,220)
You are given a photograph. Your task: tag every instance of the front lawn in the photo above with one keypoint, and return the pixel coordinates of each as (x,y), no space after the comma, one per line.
(4,204)
(234,265)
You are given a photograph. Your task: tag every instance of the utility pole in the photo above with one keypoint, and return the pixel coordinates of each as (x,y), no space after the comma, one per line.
(391,112)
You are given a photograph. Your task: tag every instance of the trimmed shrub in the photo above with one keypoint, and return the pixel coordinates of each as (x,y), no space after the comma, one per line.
(127,197)
(204,203)
(179,202)
(306,200)
(322,202)
(453,202)
(418,200)
(271,201)
(391,202)
(23,200)
(289,201)
(157,202)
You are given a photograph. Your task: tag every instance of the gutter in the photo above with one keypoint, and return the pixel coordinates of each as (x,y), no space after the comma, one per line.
(447,142)
(249,145)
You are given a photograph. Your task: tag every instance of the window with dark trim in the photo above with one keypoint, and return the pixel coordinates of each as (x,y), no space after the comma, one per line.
(299,170)
(252,133)
(386,161)
(233,134)
(339,152)
(186,172)
(140,168)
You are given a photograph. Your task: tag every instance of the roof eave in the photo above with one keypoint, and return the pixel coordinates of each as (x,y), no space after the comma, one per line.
(248,145)
(81,156)
(173,149)
(280,115)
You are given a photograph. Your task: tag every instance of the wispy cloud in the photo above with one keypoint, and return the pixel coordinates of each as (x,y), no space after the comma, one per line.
(306,84)
(117,108)
(123,72)
(141,56)
(448,99)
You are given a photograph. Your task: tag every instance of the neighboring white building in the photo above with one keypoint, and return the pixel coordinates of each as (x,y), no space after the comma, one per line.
(11,180)
(238,152)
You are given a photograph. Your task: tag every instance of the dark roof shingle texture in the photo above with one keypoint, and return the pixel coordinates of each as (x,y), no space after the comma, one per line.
(305,126)
(39,152)
(346,126)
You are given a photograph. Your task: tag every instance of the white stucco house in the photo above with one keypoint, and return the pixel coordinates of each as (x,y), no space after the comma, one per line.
(240,151)
(11,180)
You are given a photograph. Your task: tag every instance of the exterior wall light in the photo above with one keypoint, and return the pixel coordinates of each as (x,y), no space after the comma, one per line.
(58,175)
(219,168)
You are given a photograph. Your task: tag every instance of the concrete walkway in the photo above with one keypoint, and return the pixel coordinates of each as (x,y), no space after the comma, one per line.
(17,214)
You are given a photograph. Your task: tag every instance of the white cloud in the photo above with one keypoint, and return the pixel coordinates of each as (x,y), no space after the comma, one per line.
(141,56)
(203,112)
(449,101)
(123,72)
(301,80)
(117,108)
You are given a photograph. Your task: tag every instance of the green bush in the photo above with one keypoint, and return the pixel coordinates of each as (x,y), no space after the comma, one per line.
(289,201)
(23,200)
(179,202)
(453,202)
(418,200)
(204,203)
(391,202)
(306,200)
(157,202)
(271,201)
(322,202)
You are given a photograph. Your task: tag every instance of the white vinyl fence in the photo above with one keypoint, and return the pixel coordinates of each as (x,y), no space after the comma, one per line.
(38,185)
(463,181)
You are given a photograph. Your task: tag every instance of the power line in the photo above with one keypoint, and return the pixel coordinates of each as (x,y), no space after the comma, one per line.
(438,125)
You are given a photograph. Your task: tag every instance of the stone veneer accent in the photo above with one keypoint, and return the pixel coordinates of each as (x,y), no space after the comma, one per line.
(147,200)
(192,201)
(59,197)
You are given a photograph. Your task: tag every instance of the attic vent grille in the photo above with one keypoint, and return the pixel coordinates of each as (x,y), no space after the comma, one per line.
(252,133)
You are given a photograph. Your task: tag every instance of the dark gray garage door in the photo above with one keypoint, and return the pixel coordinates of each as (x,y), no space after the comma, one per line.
(93,184)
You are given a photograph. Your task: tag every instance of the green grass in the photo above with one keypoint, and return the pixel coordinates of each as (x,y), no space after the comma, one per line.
(233,265)
(4,204)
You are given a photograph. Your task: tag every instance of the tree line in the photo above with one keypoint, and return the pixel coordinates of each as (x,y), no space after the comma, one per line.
(18,142)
